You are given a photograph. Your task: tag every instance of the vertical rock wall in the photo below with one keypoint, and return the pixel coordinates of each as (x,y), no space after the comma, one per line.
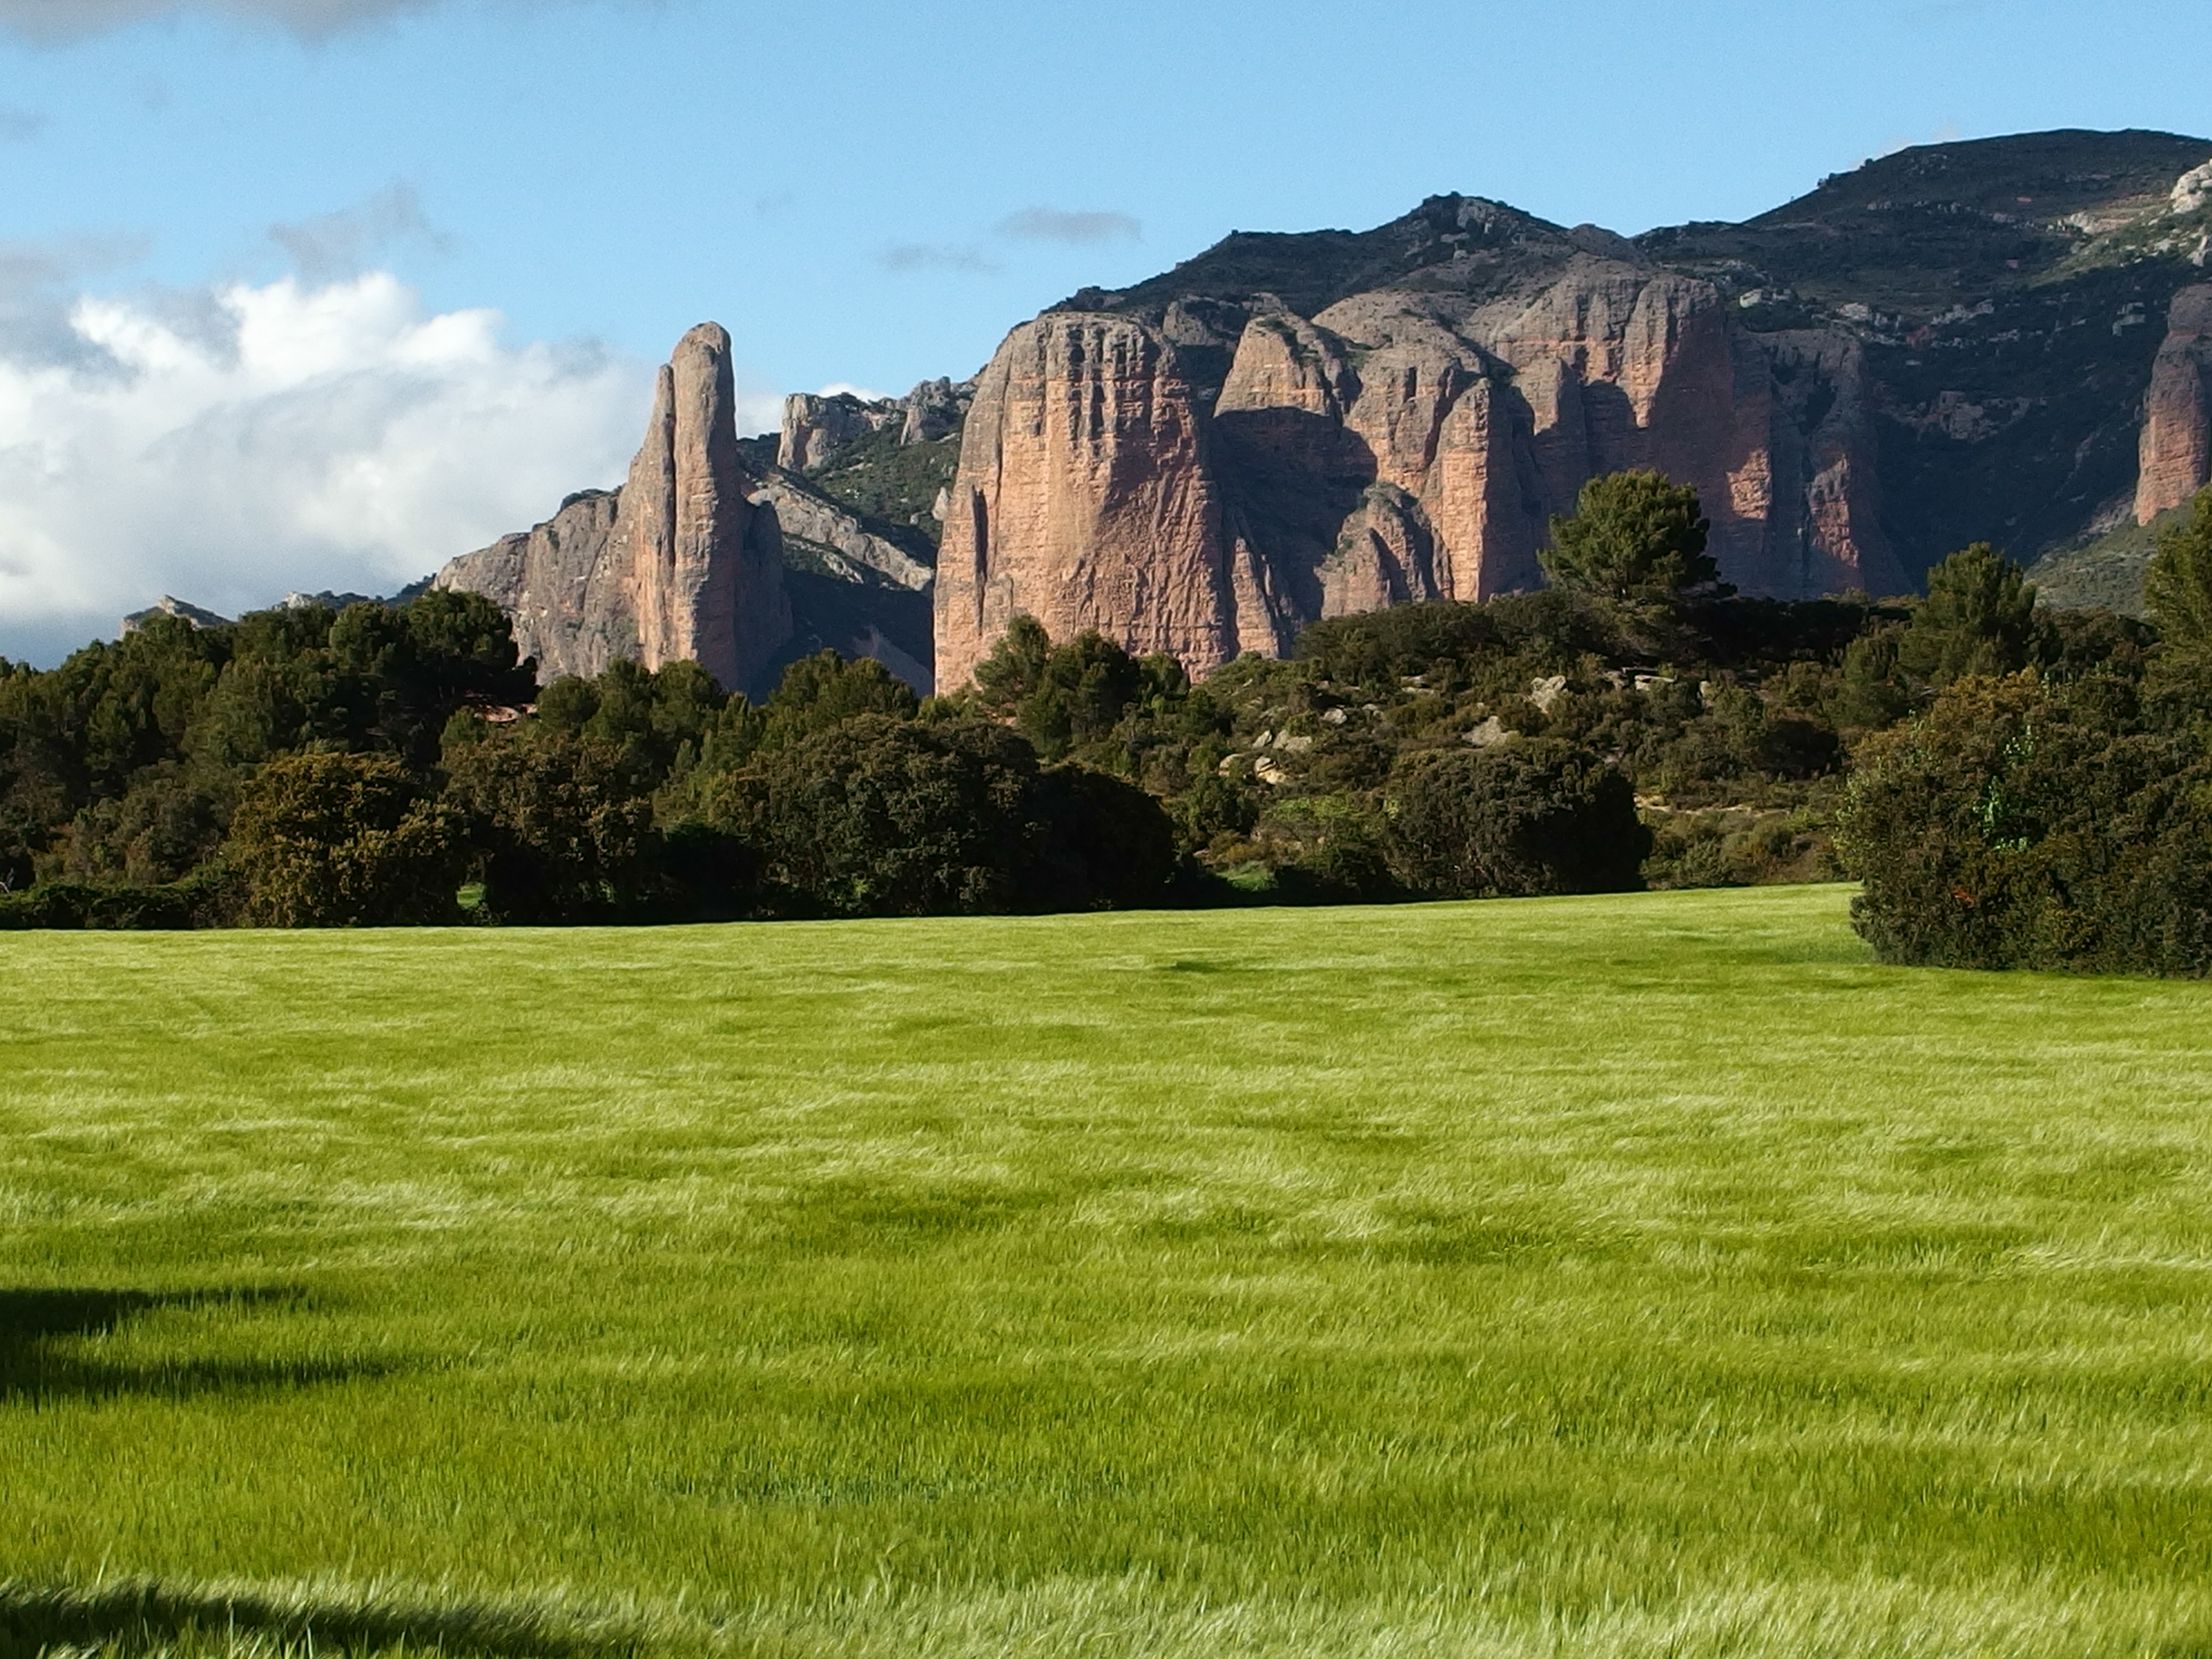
(1390,449)
(1083,498)
(2177,432)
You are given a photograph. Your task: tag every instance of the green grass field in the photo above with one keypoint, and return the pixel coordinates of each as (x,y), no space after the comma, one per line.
(1644,1275)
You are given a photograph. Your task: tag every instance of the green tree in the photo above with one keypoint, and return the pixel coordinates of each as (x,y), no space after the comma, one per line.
(1979,618)
(559,825)
(1636,539)
(344,840)
(1067,698)
(825,690)
(877,816)
(1872,693)
(2178,587)
(2028,822)
(1016,666)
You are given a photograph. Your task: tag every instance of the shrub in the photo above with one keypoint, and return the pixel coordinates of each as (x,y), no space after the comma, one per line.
(880,817)
(2020,825)
(1979,618)
(559,828)
(1522,818)
(2178,586)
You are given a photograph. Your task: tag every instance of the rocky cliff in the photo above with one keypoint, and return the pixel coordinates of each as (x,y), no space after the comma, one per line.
(677,564)
(1953,344)
(1085,498)
(2177,434)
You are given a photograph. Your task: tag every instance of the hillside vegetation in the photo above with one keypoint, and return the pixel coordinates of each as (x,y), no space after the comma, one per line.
(1628,1275)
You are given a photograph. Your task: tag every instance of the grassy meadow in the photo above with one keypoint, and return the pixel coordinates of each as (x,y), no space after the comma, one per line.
(1646,1275)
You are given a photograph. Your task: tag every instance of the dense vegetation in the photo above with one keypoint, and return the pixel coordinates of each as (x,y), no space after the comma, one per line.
(1635,724)
(1600,1278)
(2050,811)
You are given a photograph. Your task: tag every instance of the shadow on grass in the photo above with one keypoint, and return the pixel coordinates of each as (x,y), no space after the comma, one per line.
(149,1617)
(42,1333)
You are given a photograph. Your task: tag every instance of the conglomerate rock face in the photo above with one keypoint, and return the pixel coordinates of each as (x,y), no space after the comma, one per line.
(1395,447)
(1085,498)
(2177,434)
(2006,340)
(670,568)
(567,596)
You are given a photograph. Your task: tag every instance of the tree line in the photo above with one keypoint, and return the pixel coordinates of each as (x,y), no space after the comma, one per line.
(1634,723)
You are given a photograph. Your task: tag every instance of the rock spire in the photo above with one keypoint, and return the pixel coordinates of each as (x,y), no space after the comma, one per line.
(675,565)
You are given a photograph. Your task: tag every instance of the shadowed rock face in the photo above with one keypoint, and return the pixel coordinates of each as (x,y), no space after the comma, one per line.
(673,567)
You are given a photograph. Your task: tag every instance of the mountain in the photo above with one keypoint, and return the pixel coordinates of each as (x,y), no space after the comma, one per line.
(2009,340)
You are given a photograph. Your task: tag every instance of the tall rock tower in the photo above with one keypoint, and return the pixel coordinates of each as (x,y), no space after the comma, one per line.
(2176,432)
(679,564)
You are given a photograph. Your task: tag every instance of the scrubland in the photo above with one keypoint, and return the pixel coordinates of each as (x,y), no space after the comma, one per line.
(1635,1275)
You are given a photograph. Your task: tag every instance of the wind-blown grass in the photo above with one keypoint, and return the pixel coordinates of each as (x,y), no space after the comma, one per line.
(1635,1275)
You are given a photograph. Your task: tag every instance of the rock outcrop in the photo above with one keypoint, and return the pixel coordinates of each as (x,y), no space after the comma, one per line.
(1084,499)
(935,410)
(2176,431)
(816,426)
(1953,344)
(562,586)
(2192,191)
(1942,346)
(837,536)
(1400,446)
(671,568)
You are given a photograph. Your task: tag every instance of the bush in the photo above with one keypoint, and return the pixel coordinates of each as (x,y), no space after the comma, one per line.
(1522,818)
(1106,843)
(880,817)
(877,816)
(1979,617)
(2178,586)
(2020,825)
(210,896)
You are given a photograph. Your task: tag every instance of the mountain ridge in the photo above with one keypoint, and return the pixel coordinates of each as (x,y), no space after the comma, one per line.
(1954,342)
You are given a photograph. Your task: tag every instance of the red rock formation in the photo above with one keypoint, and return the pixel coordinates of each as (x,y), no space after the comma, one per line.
(2177,432)
(1404,445)
(665,571)
(1084,499)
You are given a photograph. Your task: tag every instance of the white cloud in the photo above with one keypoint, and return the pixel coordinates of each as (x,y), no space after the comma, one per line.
(232,445)
(902,258)
(53,20)
(57,22)
(1045,224)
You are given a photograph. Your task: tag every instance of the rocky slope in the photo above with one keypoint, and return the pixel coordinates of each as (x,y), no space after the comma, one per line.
(1953,344)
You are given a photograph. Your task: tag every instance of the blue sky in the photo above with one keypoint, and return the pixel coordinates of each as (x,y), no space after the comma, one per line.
(865,193)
